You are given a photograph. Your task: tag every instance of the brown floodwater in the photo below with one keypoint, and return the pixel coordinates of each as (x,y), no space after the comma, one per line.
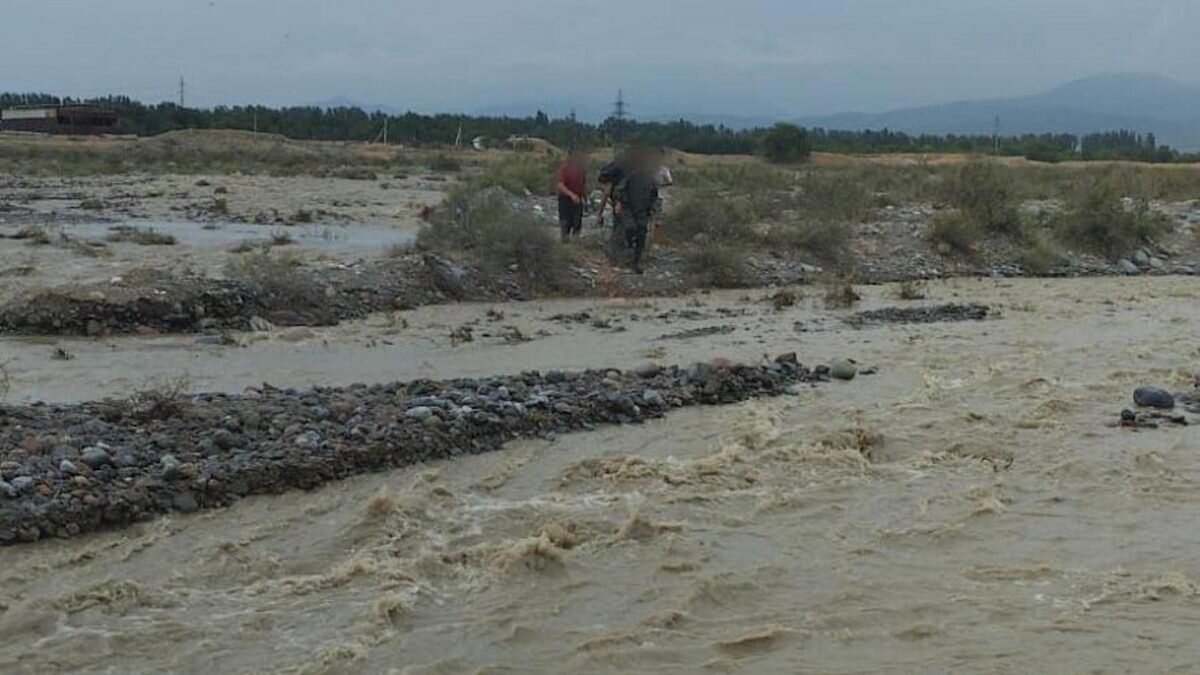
(970,508)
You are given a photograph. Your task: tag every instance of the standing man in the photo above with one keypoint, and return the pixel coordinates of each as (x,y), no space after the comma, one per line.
(570,184)
(636,196)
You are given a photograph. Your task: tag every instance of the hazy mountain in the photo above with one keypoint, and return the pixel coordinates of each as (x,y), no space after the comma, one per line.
(1145,103)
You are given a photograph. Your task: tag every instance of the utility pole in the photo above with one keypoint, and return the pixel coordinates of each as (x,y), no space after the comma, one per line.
(996,137)
(256,120)
(385,125)
(181,91)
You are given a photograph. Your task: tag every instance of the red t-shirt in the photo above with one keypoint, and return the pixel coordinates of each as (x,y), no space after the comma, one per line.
(574,177)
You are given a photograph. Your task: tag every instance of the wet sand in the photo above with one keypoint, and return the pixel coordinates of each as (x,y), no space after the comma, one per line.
(968,509)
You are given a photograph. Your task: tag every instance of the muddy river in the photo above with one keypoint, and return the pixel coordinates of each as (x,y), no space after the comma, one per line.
(969,508)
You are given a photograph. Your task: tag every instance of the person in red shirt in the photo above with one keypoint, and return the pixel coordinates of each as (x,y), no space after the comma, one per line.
(570,184)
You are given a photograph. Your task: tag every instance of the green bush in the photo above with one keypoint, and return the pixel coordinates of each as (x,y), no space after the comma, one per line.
(708,216)
(483,226)
(828,241)
(277,280)
(983,192)
(832,195)
(1040,259)
(786,144)
(1099,219)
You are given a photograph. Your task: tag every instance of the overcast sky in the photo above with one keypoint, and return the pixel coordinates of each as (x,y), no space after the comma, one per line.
(744,57)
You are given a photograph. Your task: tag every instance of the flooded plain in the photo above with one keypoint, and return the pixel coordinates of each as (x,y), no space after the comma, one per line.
(969,508)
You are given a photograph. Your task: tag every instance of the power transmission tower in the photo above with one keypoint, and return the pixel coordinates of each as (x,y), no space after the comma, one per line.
(620,113)
(181,91)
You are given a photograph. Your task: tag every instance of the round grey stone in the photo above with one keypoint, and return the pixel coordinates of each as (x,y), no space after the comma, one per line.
(843,369)
(1153,397)
(419,413)
(647,370)
(654,399)
(95,457)
(22,484)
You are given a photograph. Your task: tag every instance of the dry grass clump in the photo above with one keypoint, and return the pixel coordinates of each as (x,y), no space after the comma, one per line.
(717,265)
(840,292)
(912,289)
(161,399)
(952,233)
(142,236)
(5,380)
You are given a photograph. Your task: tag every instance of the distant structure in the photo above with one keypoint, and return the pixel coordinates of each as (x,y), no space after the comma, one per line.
(61,119)
(619,115)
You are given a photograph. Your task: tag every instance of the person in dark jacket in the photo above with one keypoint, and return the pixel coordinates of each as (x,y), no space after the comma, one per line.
(636,196)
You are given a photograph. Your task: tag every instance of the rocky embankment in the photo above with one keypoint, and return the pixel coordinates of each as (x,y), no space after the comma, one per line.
(161,302)
(72,469)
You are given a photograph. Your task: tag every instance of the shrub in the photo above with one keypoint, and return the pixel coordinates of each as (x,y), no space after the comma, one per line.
(281,238)
(708,216)
(303,216)
(832,196)
(1100,219)
(952,233)
(445,164)
(839,291)
(277,281)
(520,174)
(786,144)
(983,192)
(354,173)
(483,226)
(1039,259)
(91,204)
(718,265)
(825,240)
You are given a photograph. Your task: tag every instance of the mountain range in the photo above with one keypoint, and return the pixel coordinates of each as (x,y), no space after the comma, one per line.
(1145,103)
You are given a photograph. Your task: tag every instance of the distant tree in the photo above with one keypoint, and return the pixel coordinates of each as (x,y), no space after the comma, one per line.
(786,144)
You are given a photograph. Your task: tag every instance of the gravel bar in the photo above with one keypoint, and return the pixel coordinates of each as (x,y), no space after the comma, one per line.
(72,469)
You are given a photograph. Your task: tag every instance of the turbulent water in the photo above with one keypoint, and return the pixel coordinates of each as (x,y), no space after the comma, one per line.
(968,509)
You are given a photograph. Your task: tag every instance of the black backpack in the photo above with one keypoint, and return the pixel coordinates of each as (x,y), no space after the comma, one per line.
(611,173)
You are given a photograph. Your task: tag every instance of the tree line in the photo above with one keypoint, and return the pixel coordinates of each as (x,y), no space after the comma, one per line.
(355,124)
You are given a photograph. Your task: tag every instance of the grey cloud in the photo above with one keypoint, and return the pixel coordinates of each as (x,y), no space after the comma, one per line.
(757,57)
